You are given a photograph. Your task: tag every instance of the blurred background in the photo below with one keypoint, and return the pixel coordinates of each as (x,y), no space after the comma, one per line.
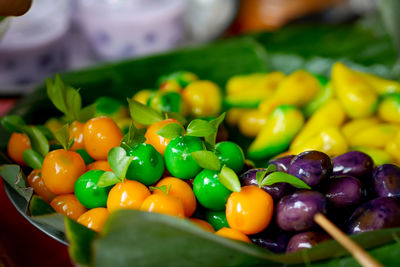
(54,36)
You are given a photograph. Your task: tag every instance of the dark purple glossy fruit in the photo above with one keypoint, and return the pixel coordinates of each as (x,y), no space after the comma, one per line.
(275,242)
(276,191)
(282,164)
(376,214)
(311,166)
(305,240)
(343,191)
(387,180)
(353,163)
(295,212)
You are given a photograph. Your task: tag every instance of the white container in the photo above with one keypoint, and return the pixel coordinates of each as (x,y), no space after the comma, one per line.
(33,46)
(123,28)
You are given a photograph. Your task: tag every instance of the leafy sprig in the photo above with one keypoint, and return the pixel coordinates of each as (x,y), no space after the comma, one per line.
(119,163)
(133,137)
(62,136)
(270,176)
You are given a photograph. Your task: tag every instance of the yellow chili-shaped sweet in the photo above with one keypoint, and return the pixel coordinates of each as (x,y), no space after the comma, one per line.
(381,85)
(389,108)
(297,89)
(142,96)
(355,126)
(234,114)
(379,156)
(358,97)
(251,122)
(393,148)
(375,136)
(331,114)
(274,138)
(330,141)
(325,94)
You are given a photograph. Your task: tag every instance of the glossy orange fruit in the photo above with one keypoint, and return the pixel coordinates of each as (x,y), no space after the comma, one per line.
(76,132)
(233,234)
(61,169)
(100,135)
(203,224)
(94,219)
(165,204)
(250,210)
(152,138)
(180,190)
(36,182)
(17,144)
(127,195)
(68,205)
(99,165)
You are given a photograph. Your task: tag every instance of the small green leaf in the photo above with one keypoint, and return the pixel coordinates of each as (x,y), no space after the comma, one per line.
(45,131)
(200,128)
(12,123)
(74,103)
(107,179)
(175,115)
(62,136)
(56,94)
(143,114)
(229,179)
(87,112)
(281,177)
(171,130)
(215,122)
(33,159)
(14,176)
(119,161)
(133,137)
(260,176)
(37,206)
(207,160)
(271,168)
(39,142)
(165,189)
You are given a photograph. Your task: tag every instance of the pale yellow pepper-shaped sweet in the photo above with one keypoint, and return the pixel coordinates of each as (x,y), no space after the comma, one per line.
(330,114)
(234,114)
(381,85)
(353,127)
(393,148)
(251,122)
(142,96)
(375,136)
(297,89)
(379,156)
(358,97)
(389,108)
(330,141)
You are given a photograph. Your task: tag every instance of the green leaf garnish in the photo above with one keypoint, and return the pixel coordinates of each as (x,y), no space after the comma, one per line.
(165,189)
(33,159)
(261,174)
(207,160)
(281,177)
(143,114)
(87,112)
(62,136)
(175,115)
(12,123)
(45,131)
(65,98)
(171,130)
(108,179)
(229,179)
(133,137)
(215,122)
(200,128)
(119,161)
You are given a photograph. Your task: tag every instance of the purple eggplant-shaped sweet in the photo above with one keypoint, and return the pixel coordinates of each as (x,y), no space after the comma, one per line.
(273,240)
(379,213)
(305,240)
(353,163)
(276,191)
(311,166)
(282,163)
(387,180)
(343,191)
(295,212)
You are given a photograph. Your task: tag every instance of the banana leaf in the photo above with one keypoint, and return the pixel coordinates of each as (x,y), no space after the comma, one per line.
(142,239)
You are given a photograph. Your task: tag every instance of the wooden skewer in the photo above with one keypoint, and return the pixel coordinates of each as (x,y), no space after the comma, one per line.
(363,257)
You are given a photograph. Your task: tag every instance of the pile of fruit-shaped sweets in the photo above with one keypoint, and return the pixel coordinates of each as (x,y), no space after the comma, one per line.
(88,169)
(291,114)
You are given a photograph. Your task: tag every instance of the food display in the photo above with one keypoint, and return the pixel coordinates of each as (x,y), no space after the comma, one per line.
(166,152)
